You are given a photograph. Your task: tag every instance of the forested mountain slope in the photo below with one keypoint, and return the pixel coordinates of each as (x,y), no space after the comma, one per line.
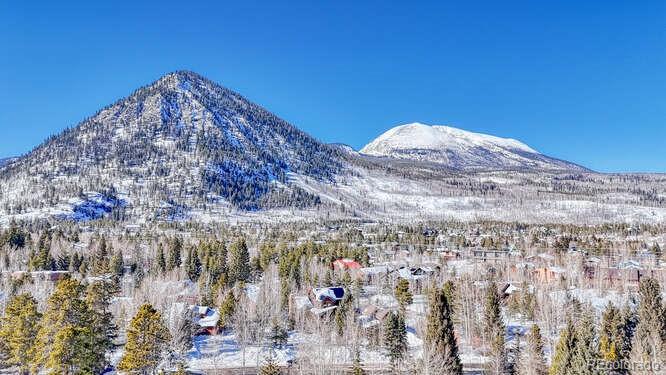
(180,141)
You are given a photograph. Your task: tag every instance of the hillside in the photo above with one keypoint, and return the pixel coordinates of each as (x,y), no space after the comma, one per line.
(180,142)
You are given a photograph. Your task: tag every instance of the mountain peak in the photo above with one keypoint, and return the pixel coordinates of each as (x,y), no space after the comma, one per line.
(435,137)
(459,149)
(191,139)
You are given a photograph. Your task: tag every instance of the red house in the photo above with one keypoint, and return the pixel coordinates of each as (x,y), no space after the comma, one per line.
(344,264)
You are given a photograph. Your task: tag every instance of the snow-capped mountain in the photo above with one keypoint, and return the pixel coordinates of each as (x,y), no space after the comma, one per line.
(180,142)
(186,148)
(461,149)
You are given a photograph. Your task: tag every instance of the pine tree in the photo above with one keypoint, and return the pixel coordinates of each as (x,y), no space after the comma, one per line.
(440,336)
(64,307)
(612,337)
(74,351)
(341,313)
(656,250)
(66,341)
(147,338)
(449,289)
(629,322)
(18,331)
(357,366)
(402,294)
(531,360)
(494,330)
(42,259)
(586,353)
(160,260)
(116,264)
(175,250)
(270,367)
(239,262)
(278,335)
(562,363)
(649,342)
(104,329)
(227,309)
(395,339)
(192,264)
(100,261)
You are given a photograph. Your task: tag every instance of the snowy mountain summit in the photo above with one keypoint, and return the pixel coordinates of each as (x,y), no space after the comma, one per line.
(460,149)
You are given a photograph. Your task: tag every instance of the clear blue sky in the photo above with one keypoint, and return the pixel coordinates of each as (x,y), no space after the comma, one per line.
(579,80)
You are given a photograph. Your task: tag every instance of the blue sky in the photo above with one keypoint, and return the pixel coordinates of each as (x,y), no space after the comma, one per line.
(579,80)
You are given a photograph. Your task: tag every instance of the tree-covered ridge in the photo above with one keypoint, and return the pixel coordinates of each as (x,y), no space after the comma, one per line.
(182,137)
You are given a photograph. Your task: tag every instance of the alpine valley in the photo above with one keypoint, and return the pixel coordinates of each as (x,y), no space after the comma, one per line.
(187,149)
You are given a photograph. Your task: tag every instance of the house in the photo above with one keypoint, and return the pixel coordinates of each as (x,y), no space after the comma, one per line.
(521,270)
(345,264)
(489,254)
(415,273)
(429,232)
(372,315)
(325,297)
(448,254)
(541,259)
(206,318)
(549,274)
(373,273)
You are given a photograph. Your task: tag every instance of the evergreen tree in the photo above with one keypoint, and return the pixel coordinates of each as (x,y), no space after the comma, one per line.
(18,330)
(74,351)
(175,250)
(656,250)
(494,330)
(402,294)
(612,339)
(227,309)
(213,256)
(192,264)
(586,353)
(239,262)
(562,363)
(160,260)
(449,289)
(440,337)
(629,322)
(531,360)
(395,339)
(649,341)
(66,341)
(104,329)
(100,261)
(341,313)
(270,367)
(42,259)
(357,366)
(116,264)
(278,335)
(147,338)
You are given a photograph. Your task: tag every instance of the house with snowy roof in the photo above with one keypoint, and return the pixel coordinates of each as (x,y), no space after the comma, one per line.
(326,297)
(207,319)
